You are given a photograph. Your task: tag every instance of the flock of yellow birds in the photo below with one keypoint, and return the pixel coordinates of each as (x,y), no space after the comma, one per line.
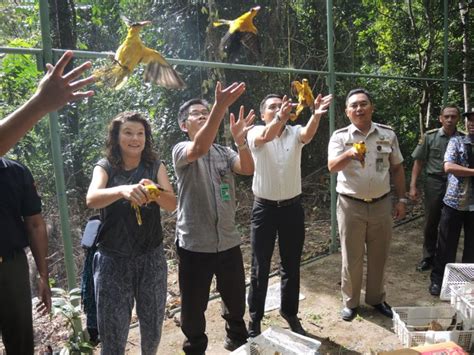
(133,51)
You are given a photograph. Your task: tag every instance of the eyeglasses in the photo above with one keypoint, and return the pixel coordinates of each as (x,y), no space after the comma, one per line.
(197,113)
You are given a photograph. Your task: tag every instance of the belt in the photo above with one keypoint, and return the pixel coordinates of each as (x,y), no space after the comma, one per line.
(366,200)
(11,255)
(281,203)
(443,178)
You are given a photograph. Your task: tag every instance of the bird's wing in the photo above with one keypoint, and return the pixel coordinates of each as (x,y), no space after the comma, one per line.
(126,20)
(160,72)
(296,88)
(230,43)
(250,41)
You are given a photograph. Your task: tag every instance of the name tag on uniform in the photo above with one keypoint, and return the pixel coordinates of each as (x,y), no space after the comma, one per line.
(225,192)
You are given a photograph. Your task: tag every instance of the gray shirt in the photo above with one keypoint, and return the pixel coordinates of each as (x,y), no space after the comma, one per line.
(206,200)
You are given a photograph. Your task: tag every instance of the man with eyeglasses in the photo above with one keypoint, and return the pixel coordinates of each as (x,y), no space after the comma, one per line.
(364,207)
(277,210)
(207,239)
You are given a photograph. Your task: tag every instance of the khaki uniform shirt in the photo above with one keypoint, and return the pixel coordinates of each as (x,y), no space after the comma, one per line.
(372,180)
(431,149)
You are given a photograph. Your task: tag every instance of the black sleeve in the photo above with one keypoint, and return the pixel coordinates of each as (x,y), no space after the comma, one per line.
(30,200)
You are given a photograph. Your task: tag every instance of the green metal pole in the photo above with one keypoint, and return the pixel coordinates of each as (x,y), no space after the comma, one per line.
(332,119)
(445,68)
(57,157)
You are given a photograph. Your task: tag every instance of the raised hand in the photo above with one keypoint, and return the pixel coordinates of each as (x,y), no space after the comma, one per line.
(55,89)
(285,109)
(321,104)
(227,96)
(240,128)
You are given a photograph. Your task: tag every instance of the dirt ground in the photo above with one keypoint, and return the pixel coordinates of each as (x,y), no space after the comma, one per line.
(320,310)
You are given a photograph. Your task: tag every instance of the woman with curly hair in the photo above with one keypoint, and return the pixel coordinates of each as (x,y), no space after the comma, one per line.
(129,186)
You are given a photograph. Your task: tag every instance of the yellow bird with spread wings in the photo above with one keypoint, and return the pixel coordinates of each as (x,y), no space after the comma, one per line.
(305,96)
(130,54)
(241,31)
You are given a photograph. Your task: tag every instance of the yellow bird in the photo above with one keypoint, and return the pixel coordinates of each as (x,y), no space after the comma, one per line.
(154,192)
(361,148)
(130,54)
(305,96)
(241,31)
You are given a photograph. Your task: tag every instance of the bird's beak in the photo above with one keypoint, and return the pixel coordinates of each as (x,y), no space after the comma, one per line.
(256,8)
(144,23)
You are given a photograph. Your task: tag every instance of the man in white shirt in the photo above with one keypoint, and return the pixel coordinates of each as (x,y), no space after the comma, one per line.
(277,210)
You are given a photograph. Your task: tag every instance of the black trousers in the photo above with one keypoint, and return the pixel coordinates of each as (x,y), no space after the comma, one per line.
(196,271)
(268,222)
(16,324)
(435,188)
(450,226)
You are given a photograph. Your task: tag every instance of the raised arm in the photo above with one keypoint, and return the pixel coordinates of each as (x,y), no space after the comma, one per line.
(244,164)
(204,138)
(272,129)
(320,107)
(54,91)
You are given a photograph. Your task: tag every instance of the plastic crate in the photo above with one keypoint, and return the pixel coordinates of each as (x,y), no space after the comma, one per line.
(277,340)
(411,326)
(462,299)
(455,275)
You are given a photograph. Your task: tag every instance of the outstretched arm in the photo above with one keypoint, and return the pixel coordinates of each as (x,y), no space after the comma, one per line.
(54,91)
(244,165)
(320,107)
(204,138)
(276,125)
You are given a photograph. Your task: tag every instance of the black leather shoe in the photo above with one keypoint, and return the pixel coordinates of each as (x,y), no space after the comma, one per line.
(294,323)
(435,289)
(254,329)
(384,309)
(424,265)
(348,314)
(232,344)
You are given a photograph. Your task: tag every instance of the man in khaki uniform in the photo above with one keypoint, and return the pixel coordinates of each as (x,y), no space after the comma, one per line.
(429,153)
(364,206)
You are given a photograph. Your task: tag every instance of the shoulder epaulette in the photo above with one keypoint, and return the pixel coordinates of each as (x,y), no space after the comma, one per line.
(384,126)
(341,129)
(434,130)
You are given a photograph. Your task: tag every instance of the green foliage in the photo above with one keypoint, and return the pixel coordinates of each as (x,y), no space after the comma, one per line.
(67,305)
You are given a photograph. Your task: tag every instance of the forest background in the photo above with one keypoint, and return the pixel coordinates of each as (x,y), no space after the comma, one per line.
(374,37)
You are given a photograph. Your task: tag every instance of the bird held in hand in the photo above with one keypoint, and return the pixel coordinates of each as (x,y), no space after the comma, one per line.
(242,31)
(361,149)
(305,97)
(132,52)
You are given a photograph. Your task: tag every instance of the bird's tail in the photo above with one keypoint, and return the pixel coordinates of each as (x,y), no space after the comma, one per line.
(221,22)
(112,75)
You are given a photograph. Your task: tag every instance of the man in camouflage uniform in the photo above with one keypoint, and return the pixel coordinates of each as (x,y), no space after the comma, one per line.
(429,154)
(458,208)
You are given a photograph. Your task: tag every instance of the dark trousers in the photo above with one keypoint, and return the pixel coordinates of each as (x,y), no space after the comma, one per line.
(449,231)
(268,222)
(435,188)
(16,323)
(196,271)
